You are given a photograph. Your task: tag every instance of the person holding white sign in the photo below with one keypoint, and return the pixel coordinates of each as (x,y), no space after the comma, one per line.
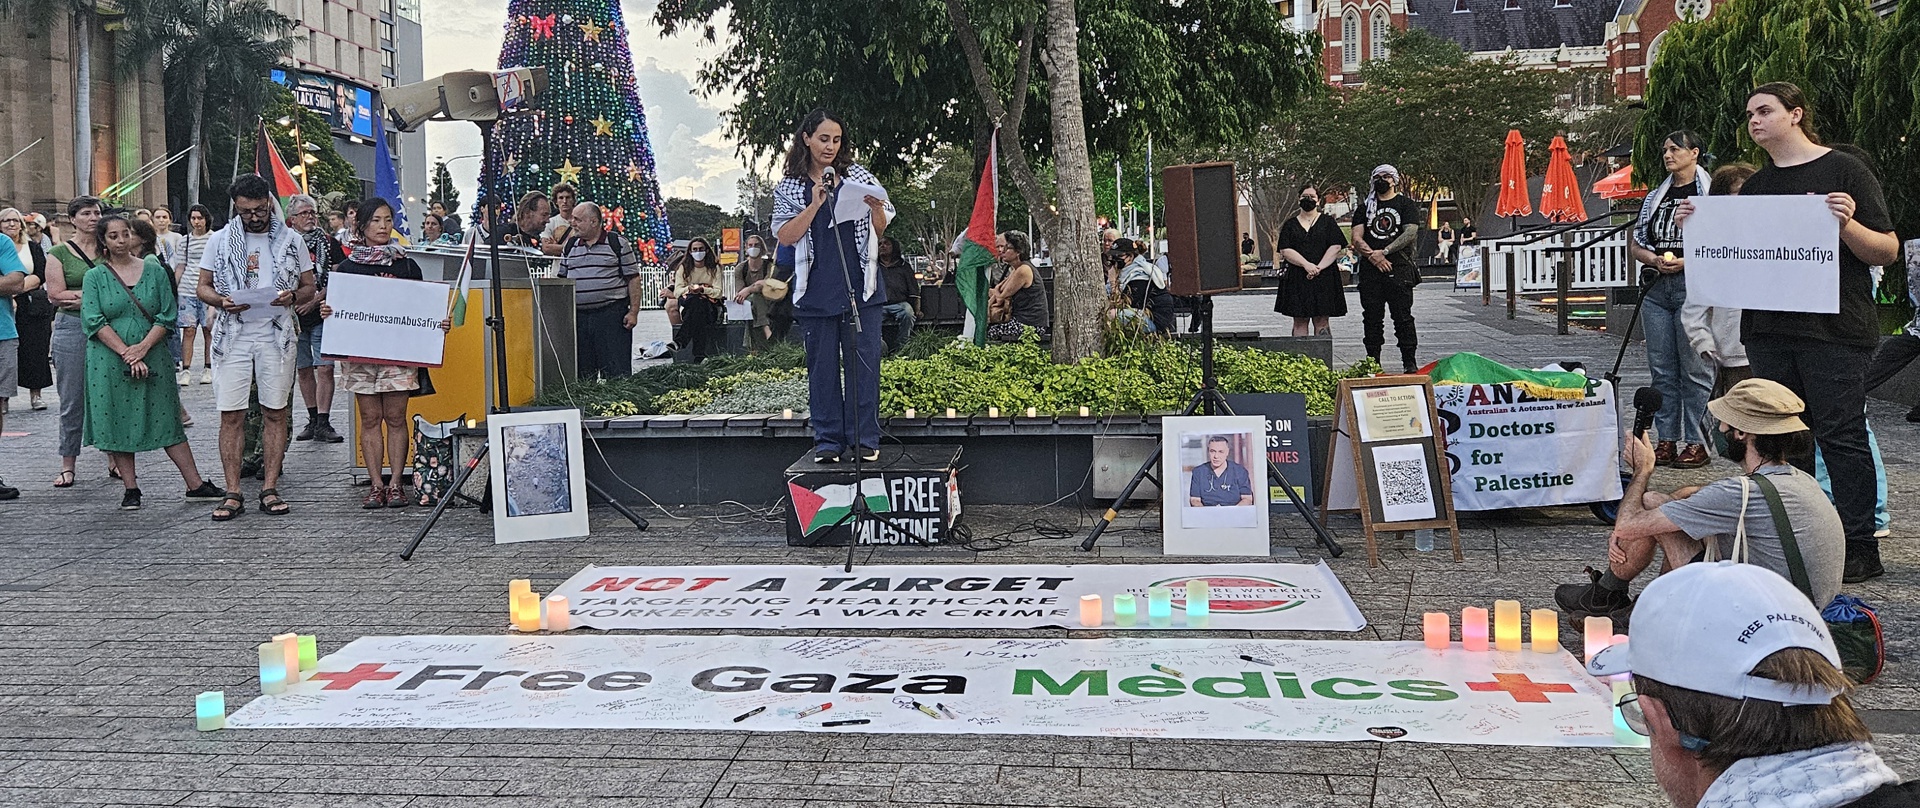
(380,389)
(1683,380)
(1823,357)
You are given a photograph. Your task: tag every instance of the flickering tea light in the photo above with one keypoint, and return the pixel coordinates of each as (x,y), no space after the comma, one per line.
(1159,606)
(210,710)
(558,618)
(526,612)
(1473,628)
(1199,607)
(1436,628)
(1545,627)
(309,652)
(1084,412)
(909,412)
(1506,625)
(1123,610)
(1599,635)
(787,414)
(1033,412)
(951,413)
(1092,613)
(273,669)
(993,412)
(290,646)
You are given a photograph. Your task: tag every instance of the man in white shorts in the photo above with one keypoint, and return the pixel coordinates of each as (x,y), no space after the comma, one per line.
(253,345)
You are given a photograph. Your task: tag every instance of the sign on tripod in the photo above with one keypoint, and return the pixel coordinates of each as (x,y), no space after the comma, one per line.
(1383,430)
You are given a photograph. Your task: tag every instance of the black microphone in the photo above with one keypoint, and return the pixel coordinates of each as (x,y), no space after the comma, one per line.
(1646,402)
(828,178)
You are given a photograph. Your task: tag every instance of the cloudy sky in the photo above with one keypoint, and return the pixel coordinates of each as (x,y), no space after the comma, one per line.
(694,158)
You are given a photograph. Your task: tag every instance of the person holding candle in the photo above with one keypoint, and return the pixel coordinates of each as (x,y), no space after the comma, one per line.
(1760,428)
(1683,379)
(1738,687)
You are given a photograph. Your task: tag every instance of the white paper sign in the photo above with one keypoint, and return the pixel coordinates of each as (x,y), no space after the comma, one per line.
(851,205)
(1406,493)
(1771,253)
(386,319)
(1276,690)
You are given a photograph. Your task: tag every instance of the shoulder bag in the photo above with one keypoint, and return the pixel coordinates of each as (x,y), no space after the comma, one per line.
(1854,625)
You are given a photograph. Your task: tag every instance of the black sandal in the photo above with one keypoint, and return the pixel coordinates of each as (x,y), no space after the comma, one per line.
(63,480)
(271,504)
(232,505)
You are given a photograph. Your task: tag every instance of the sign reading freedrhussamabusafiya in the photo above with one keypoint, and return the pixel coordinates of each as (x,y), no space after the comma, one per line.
(1172,688)
(1244,597)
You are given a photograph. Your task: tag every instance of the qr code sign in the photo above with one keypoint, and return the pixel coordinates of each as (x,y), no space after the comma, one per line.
(1403,482)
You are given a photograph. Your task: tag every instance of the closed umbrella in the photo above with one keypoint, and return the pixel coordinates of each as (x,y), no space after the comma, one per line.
(1560,199)
(1513,179)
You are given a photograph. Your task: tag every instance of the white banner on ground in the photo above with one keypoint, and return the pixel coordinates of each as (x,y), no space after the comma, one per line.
(1170,688)
(388,319)
(1775,253)
(1509,450)
(1245,597)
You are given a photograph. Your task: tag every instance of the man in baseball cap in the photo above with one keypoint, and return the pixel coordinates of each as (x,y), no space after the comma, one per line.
(1760,429)
(1738,685)
(1385,229)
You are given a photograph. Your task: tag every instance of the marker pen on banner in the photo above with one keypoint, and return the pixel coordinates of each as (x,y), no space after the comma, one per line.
(944,711)
(749,714)
(1255,660)
(925,709)
(847,723)
(811,710)
(1168,671)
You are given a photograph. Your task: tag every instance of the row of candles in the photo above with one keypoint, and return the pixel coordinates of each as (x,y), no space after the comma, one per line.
(524,608)
(282,660)
(992,412)
(1126,614)
(1544,628)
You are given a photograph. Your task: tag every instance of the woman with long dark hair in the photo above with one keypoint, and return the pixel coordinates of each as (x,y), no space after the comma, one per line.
(836,278)
(697,285)
(65,288)
(33,313)
(1684,381)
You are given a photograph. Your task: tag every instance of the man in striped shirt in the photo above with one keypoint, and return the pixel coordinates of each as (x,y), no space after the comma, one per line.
(606,294)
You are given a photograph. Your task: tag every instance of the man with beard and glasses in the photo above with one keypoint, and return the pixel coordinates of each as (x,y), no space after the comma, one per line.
(1760,429)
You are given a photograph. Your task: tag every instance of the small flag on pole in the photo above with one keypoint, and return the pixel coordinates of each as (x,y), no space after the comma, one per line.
(458,311)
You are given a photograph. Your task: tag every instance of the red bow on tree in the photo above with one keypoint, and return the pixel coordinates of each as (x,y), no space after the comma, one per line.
(616,217)
(542,26)
(647,251)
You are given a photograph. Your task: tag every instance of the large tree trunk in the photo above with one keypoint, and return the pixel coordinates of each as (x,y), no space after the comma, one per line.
(198,118)
(1079,300)
(83,102)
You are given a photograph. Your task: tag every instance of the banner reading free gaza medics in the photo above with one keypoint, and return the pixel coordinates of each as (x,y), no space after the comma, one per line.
(1172,688)
(1510,450)
(1244,597)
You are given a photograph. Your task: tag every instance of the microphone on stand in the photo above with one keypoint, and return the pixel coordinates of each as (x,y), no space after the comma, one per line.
(1646,402)
(829,178)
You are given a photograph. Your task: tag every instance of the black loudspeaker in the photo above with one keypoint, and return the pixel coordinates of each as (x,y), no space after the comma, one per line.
(1203,250)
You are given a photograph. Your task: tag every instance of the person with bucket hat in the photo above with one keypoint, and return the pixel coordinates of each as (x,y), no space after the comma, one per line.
(1760,429)
(1738,687)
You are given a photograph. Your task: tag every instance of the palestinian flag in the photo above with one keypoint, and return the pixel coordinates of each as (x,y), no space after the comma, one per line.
(976,248)
(1472,368)
(461,287)
(817,508)
(267,163)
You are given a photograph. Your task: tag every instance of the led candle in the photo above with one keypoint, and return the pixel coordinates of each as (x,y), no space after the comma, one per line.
(290,646)
(1084,412)
(558,618)
(1599,635)
(1092,614)
(909,412)
(993,412)
(1032,412)
(1159,606)
(1198,607)
(1123,610)
(787,414)
(210,710)
(1437,629)
(1473,628)
(1506,625)
(1546,631)
(309,652)
(526,612)
(273,669)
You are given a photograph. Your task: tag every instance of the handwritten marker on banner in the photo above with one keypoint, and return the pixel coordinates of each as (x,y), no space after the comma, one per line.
(812,710)
(1255,660)
(1168,671)
(847,723)
(749,714)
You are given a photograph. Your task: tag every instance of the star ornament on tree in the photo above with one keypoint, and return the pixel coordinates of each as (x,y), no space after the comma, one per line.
(633,172)
(542,26)
(602,126)
(569,172)
(590,31)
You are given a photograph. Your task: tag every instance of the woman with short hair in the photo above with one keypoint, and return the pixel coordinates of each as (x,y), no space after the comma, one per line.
(65,288)
(1020,298)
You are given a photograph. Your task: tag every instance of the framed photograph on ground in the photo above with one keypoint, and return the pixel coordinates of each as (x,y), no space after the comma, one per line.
(539,475)
(1215,496)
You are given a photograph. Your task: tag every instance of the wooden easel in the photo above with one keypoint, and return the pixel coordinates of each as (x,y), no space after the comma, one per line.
(1347,435)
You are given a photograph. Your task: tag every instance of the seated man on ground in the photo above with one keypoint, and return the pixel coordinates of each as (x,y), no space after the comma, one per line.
(1760,429)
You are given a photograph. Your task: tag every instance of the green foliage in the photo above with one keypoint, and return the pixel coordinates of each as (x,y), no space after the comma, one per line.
(331,173)
(637,394)
(1887,109)
(693,218)
(444,191)
(719,391)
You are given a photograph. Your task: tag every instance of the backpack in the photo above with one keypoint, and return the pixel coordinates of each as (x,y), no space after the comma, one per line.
(1854,625)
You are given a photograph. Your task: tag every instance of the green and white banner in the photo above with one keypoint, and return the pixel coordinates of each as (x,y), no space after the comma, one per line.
(1244,597)
(1125,687)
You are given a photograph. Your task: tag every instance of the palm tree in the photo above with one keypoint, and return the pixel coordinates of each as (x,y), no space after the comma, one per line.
(230,44)
(41,14)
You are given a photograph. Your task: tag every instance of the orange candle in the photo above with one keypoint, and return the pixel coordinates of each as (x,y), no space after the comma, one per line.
(1092,613)
(1473,628)
(1437,630)
(1546,631)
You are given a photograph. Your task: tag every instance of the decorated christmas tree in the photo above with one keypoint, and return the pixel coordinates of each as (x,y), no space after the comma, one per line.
(588,128)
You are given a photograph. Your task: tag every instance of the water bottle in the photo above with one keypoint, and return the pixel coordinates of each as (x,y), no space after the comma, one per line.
(1423,540)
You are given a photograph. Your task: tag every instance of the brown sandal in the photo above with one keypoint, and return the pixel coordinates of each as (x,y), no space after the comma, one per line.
(230,506)
(271,504)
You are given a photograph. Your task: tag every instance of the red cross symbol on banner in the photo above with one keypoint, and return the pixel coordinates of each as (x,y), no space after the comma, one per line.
(1520,687)
(370,672)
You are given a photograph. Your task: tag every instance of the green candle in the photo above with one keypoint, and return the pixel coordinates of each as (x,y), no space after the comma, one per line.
(1159,606)
(1123,610)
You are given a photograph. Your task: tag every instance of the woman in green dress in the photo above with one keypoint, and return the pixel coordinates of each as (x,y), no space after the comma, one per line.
(127,307)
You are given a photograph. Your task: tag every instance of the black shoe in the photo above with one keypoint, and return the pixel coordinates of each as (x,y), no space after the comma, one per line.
(1589,598)
(324,433)
(824,456)
(207,490)
(1621,617)
(1913,415)
(130,501)
(306,432)
(1863,562)
(8,492)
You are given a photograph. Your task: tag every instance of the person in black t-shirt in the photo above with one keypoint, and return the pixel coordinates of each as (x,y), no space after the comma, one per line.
(1384,229)
(1683,379)
(1823,357)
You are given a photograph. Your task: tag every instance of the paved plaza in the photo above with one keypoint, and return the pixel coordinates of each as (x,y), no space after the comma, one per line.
(114,620)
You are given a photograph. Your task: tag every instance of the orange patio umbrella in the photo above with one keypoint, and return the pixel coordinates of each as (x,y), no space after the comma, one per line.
(1560,199)
(1618,185)
(1513,179)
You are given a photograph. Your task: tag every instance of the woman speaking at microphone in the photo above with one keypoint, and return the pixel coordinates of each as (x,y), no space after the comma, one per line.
(836,277)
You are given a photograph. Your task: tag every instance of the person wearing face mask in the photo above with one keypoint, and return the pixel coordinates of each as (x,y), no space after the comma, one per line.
(697,283)
(749,279)
(1385,227)
(1310,290)
(1760,430)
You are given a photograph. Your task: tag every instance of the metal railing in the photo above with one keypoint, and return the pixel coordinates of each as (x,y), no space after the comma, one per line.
(1560,259)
